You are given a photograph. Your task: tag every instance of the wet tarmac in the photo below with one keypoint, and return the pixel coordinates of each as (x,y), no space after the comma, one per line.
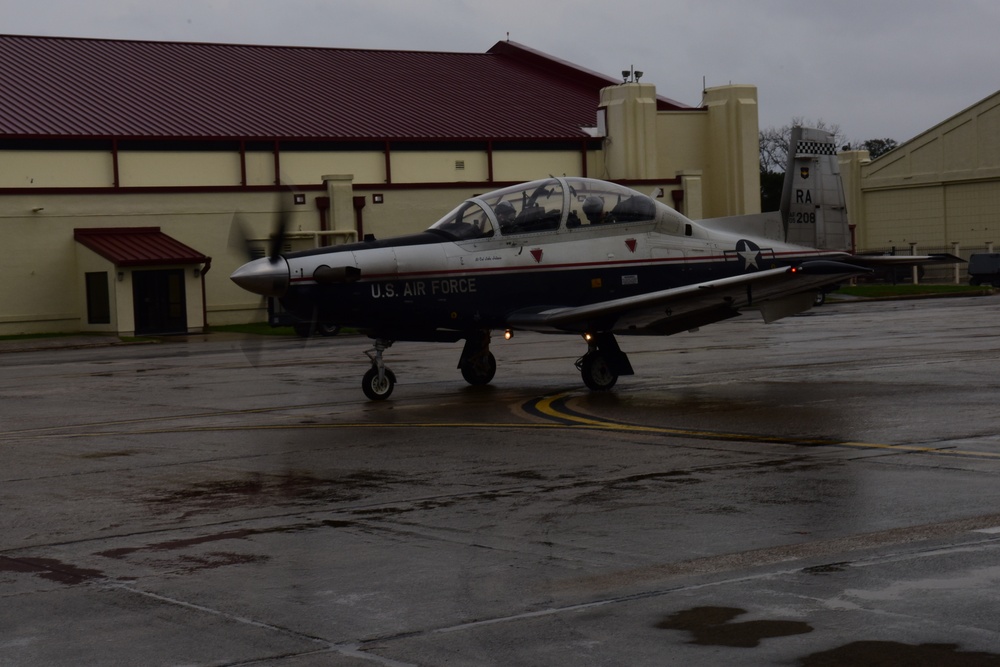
(824,490)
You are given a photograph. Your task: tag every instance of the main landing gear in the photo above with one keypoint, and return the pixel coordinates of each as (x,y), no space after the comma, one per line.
(477,363)
(603,363)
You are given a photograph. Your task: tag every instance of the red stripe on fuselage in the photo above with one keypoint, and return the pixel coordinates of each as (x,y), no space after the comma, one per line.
(726,259)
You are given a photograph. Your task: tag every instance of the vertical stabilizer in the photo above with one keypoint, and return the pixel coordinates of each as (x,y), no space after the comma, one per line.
(813,208)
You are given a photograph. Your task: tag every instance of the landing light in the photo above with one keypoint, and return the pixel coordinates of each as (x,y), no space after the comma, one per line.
(588,337)
(508,334)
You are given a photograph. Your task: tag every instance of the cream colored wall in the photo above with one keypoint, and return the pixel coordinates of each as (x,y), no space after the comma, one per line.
(56,169)
(973,213)
(124,305)
(904,217)
(531,165)
(438,166)
(304,167)
(410,211)
(38,289)
(178,168)
(684,142)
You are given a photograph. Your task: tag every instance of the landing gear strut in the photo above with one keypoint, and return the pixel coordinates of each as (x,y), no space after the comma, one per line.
(603,363)
(379,381)
(477,363)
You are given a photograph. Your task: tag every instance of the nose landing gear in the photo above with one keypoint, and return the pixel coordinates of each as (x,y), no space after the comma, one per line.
(379,381)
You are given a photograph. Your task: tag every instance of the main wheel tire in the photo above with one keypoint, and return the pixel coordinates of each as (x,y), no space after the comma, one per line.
(376,390)
(481,371)
(597,373)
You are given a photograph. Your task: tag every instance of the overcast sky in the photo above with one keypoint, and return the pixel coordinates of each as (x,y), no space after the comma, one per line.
(876,68)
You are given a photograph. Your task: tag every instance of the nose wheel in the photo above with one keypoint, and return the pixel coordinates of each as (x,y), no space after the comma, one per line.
(379,381)
(378,386)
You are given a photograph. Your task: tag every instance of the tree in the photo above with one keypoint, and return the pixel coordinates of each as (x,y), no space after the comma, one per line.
(876,147)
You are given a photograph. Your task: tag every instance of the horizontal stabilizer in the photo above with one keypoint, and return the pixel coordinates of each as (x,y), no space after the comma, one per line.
(822,267)
(882,261)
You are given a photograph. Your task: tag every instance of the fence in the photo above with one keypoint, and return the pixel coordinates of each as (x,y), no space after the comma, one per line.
(945,274)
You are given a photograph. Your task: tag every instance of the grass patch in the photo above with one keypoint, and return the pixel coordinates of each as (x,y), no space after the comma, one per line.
(35,336)
(887,290)
(262,329)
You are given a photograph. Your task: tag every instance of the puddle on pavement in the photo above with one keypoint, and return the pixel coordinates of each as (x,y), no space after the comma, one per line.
(828,568)
(714,626)
(859,654)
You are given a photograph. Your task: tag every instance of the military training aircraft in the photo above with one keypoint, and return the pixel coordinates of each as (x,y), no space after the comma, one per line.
(575,256)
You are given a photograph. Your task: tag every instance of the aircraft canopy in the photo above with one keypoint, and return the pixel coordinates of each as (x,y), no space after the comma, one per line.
(547,206)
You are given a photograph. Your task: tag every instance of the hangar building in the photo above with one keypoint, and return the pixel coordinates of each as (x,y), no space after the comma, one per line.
(938,192)
(126,167)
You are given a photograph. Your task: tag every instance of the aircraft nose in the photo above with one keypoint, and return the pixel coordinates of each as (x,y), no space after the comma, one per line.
(263,276)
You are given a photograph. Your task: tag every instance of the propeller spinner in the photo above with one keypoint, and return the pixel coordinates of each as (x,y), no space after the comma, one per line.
(267,276)
(264,276)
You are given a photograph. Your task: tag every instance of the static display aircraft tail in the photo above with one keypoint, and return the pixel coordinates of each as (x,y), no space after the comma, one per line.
(813,209)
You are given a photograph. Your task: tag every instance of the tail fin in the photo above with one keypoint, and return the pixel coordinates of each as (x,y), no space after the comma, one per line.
(813,209)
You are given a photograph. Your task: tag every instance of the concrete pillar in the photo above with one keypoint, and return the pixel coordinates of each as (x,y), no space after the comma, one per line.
(691,185)
(630,146)
(732,174)
(340,190)
(850,163)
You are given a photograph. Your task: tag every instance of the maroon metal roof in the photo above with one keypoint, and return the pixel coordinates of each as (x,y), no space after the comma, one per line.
(79,88)
(137,246)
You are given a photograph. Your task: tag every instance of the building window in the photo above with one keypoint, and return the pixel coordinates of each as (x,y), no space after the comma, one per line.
(98,298)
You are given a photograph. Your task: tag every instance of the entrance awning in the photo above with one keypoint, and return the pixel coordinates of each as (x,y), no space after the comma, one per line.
(137,246)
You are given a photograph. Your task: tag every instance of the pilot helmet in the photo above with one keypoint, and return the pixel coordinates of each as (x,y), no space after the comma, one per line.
(593,206)
(505,211)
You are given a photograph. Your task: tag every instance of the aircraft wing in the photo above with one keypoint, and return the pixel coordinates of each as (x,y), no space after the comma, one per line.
(776,293)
